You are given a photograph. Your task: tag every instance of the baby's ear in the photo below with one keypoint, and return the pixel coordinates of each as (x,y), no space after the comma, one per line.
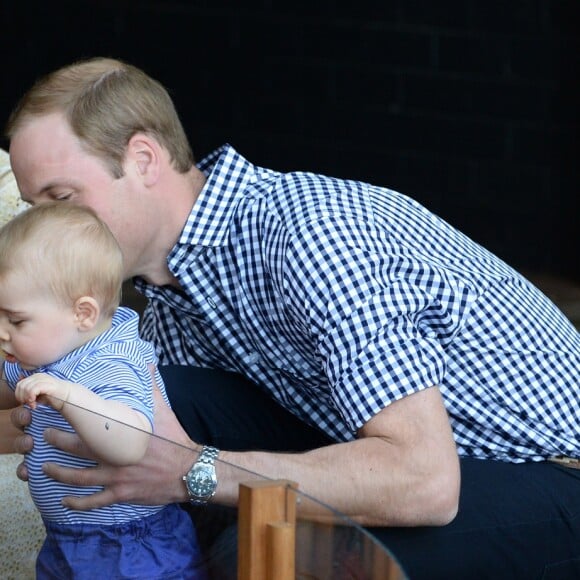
(86,311)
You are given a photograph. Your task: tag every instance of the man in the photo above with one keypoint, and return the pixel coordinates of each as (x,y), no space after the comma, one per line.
(422,385)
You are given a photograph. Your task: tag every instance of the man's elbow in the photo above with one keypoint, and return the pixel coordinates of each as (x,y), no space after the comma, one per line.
(442,500)
(445,510)
(434,501)
(436,497)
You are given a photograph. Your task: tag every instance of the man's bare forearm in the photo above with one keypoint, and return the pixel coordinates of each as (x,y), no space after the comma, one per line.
(365,479)
(403,470)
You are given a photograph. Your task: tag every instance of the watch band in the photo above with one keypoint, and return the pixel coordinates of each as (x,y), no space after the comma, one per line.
(207,455)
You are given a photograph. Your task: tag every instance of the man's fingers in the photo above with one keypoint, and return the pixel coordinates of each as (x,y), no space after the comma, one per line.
(21,417)
(87,477)
(90,502)
(74,476)
(23,444)
(22,472)
(68,442)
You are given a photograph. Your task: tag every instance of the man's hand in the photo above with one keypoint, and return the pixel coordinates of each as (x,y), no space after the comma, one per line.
(155,480)
(21,418)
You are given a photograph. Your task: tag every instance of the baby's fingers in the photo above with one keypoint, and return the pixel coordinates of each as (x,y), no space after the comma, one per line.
(26,393)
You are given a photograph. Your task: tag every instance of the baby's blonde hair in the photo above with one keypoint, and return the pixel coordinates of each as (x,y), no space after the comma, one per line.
(68,250)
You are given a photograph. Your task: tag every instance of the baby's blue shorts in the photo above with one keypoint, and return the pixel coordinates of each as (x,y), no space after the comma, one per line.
(161,546)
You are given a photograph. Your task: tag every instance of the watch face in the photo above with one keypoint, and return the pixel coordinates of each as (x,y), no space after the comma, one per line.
(201,481)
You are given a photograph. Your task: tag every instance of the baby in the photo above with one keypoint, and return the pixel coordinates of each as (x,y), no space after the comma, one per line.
(74,356)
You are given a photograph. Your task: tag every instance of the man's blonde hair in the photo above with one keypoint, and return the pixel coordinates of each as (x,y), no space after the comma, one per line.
(106,102)
(66,249)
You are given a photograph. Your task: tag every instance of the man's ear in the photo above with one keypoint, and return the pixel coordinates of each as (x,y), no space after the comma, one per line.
(144,153)
(86,312)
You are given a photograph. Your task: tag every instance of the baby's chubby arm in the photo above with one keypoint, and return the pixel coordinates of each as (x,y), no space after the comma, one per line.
(113,431)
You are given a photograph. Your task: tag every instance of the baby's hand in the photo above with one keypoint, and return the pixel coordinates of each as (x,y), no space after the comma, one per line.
(42,388)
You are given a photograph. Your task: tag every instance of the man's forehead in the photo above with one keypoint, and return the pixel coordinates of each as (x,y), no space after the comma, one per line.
(38,151)
(46,134)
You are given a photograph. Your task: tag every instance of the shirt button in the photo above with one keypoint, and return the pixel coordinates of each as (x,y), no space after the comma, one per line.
(252,358)
(211,303)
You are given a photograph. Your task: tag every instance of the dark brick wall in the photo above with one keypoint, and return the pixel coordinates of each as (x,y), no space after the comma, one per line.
(467,105)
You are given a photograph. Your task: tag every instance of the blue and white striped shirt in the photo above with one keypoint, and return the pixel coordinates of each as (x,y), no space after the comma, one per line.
(113,365)
(339,297)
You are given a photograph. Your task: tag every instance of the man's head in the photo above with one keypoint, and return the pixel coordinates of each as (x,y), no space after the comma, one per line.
(102,134)
(106,102)
(61,272)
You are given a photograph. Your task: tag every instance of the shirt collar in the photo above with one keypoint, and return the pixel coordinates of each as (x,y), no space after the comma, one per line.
(124,327)
(228,174)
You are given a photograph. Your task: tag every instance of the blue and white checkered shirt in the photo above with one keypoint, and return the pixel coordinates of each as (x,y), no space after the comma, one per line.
(338,298)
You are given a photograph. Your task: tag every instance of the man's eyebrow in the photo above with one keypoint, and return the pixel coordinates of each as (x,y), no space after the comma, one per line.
(9,312)
(45,189)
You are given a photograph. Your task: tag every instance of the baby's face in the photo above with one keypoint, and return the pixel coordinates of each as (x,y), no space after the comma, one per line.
(35,329)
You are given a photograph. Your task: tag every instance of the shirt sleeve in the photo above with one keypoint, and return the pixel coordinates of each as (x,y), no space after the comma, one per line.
(380,316)
(115,379)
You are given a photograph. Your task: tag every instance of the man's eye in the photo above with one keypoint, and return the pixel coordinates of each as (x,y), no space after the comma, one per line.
(63,197)
(16,322)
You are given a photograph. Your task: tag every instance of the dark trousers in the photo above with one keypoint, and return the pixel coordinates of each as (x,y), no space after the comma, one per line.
(515,520)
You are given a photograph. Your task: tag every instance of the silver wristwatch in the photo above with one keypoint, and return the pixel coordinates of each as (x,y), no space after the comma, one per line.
(201,479)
